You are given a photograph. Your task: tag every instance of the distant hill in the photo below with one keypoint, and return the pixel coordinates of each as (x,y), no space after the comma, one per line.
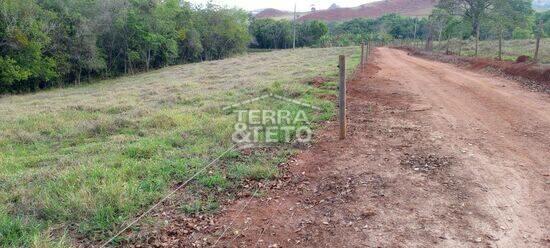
(271,13)
(374,10)
(369,10)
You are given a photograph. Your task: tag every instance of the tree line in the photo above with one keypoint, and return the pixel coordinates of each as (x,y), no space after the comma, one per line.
(279,34)
(488,20)
(45,43)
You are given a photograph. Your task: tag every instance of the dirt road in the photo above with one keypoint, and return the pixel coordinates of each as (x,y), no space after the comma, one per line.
(437,156)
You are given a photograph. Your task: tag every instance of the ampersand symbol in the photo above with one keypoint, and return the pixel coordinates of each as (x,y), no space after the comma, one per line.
(241,135)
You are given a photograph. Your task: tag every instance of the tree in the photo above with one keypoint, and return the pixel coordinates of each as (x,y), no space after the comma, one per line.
(23,39)
(477,11)
(74,38)
(310,32)
(277,34)
(522,33)
(272,34)
(543,27)
(472,10)
(224,32)
(545,17)
(508,14)
(45,43)
(429,37)
(455,30)
(187,37)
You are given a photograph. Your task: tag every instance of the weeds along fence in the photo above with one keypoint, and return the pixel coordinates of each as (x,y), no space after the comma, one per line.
(511,49)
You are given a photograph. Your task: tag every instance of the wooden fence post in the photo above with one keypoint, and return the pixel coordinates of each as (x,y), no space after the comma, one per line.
(368,45)
(342,98)
(539,36)
(367,51)
(362,54)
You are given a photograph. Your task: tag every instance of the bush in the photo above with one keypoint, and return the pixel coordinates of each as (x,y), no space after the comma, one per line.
(522,33)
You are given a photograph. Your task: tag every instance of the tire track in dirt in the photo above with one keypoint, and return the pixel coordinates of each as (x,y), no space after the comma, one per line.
(436,156)
(508,149)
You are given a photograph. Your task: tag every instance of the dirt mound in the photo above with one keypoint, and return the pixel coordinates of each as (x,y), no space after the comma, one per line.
(523,59)
(316,81)
(374,10)
(530,71)
(269,13)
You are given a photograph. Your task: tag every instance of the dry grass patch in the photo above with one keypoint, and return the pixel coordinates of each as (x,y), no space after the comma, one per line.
(78,162)
(511,49)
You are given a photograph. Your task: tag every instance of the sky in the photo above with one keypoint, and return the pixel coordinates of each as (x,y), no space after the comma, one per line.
(301,5)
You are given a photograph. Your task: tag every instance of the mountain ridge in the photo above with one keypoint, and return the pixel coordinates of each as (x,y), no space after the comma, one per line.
(368,10)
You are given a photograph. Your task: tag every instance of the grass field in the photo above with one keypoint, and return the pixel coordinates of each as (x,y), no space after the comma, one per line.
(511,49)
(76,163)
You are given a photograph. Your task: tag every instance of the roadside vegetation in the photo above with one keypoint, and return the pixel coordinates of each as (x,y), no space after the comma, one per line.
(52,43)
(491,28)
(76,163)
(511,49)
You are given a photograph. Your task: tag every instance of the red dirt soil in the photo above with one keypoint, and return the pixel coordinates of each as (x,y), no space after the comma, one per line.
(530,71)
(538,75)
(437,156)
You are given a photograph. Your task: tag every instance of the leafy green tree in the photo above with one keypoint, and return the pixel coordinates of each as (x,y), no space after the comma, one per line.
(506,15)
(541,29)
(188,38)
(385,28)
(224,32)
(45,43)
(478,11)
(272,34)
(543,17)
(472,10)
(23,39)
(522,33)
(440,19)
(397,26)
(74,40)
(277,34)
(310,32)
